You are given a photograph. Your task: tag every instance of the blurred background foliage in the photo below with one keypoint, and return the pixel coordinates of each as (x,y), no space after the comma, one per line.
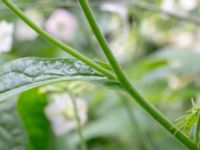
(158,47)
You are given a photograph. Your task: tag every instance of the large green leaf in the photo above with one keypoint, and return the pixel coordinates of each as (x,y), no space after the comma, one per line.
(26,73)
(12,135)
(31,110)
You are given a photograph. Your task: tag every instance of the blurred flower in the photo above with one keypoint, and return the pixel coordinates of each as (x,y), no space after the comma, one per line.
(23,31)
(183,39)
(174,82)
(116,8)
(149,31)
(180,6)
(121,12)
(62,24)
(196,46)
(188,5)
(119,44)
(6,36)
(60,112)
(121,48)
(169,5)
(175,63)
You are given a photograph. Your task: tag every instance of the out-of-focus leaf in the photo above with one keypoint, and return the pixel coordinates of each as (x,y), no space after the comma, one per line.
(180,61)
(108,126)
(40,48)
(31,109)
(154,74)
(26,73)
(186,92)
(12,134)
(148,65)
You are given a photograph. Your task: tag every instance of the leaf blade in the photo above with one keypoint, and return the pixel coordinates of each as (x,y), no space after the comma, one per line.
(26,73)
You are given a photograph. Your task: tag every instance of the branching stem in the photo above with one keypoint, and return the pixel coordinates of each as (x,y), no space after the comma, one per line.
(116,67)
(58,43)
(155,113)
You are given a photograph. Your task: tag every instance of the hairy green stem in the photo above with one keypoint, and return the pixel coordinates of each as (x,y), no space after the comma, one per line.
(142,140)
(197,131)
(127,85)
(58,43)
(78,122)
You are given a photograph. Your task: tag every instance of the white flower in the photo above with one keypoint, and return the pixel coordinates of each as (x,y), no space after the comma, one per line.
(60,112)
(179,6)
(122,49)
(149,30)
(62,24)
(116,8)
(119,44)
(169,5)
(6,36)
(188,5)
(23,31)
(174,82)
(183,39)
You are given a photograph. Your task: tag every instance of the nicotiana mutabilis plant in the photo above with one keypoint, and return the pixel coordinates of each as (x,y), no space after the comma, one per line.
(28,73)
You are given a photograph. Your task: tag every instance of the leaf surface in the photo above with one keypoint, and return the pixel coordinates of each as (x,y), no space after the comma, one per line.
(26,73)
(12,134)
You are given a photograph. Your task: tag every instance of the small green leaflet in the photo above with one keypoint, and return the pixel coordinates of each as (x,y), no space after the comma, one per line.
(187,122)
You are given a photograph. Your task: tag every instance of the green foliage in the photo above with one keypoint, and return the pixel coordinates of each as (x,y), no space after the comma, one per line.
(12,134)
(148,40)
(30,109)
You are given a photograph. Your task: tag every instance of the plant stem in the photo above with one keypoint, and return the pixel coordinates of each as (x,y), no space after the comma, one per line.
(148,107)
(79,128)
(142,140)
(58,43)
(127,85)
(197,131)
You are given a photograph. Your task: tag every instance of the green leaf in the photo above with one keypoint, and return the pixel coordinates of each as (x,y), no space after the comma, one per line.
(12,135)
(187,121)
(26,73)
(31,110)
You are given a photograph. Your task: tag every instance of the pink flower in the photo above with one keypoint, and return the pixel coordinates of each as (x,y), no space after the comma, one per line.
(61,24)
